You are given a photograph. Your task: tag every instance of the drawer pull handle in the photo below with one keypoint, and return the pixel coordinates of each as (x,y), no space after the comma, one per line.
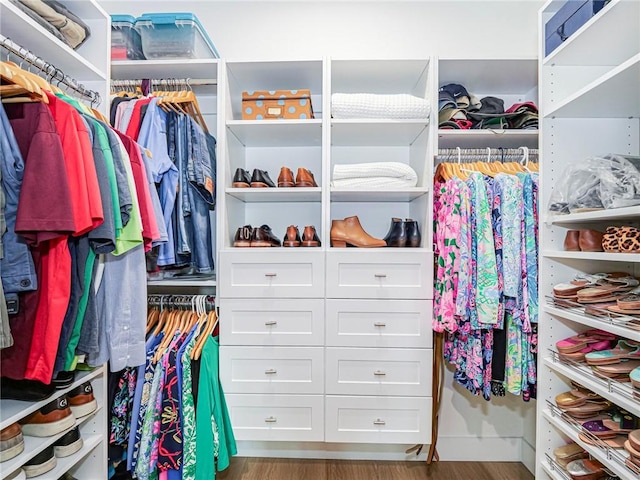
(379,324)
(270,420)
(270,323)
(379,422)
(270,371)
(270,274)
(380,275)
(379,373)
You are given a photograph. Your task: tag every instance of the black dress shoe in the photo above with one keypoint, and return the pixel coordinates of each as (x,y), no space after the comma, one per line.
(413,233)
(241,179)
(260,178)
(397,234)
(243,236)
(264,237)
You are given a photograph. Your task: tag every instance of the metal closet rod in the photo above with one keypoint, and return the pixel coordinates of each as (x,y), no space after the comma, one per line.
(166,82)
(51,72)
(180,301)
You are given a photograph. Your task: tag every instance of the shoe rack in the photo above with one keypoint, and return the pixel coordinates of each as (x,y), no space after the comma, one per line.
(590,105)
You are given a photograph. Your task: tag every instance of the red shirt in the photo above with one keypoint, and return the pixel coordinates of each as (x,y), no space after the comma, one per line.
(133,128)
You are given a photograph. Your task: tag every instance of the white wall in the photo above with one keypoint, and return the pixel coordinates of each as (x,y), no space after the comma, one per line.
(470,428)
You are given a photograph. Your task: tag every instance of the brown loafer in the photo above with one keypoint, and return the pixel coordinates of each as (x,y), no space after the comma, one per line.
(304,178)
(291,237)
(285,179)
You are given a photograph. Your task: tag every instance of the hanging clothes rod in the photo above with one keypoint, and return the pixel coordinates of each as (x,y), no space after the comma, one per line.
(180,301)
(165,82)
(486,154)
(50,71)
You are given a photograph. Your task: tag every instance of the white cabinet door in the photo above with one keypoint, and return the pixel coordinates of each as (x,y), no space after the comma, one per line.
(380,273)
(381,420)
(379,371)
(297,418)
(272,370)
(270,273)
(379,323)
(267,321)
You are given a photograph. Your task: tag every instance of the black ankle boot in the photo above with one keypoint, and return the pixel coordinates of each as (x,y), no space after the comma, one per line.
(397,234)
(412,233)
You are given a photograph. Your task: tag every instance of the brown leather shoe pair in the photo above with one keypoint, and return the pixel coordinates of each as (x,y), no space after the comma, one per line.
(349,233)
(309,237)
(583,240)
(304,178)
(248,236)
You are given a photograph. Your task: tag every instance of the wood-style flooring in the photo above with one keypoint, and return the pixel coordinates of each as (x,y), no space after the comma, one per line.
(290,469)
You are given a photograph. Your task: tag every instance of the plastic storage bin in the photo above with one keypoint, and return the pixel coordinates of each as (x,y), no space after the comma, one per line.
(125,40)
(174,35)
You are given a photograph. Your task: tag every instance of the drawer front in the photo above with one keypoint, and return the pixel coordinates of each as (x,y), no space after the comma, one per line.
(248,273)
(382,420)
(272,370)
(379,323)
(375,371)
(277,417)
(381,274)
(265,321)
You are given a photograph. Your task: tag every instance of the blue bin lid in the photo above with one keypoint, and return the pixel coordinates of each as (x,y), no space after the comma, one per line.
(123,18)
(172,18)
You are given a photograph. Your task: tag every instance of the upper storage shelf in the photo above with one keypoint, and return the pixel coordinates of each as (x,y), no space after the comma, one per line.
(609,38)
(88,63)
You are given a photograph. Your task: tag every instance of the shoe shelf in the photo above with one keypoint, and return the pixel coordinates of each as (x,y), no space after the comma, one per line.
(278,194)
(65,464)
(34,445)
(614,94)
(395,195)
(613,214)
(585,46)
(487,138)
(26,32)
(554,470)
(348,132)
(612,257)
(13,410)
(617,325)
(277,133)
(612,458)
(622,394)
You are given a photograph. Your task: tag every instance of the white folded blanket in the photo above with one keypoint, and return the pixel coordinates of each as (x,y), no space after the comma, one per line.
(371,183)
(370,105)
(385,174)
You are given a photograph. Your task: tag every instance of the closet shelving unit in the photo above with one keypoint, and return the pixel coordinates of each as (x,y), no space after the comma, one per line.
(198,70)
(89,65)
(590,104)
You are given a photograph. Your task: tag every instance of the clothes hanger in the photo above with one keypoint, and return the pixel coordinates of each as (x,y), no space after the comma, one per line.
(212,321)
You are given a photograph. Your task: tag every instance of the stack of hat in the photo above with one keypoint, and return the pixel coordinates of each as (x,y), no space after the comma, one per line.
(458,109)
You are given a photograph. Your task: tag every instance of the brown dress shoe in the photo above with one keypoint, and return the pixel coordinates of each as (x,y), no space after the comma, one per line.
(571,241)
(291,237)
(264,237)
(349,232)
(310,237)
(243,236)
(304,178)
(590,241)
(285,179)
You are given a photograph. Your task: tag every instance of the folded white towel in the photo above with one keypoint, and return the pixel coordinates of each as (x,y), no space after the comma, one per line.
(371,183)
(370,105)
(387,170)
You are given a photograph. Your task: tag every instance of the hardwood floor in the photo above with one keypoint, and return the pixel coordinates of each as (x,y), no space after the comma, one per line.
(290,469)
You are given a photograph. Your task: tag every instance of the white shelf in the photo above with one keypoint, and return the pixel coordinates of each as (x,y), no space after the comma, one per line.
(487,138)
(278,194)
(15,410)
(65,464)
(611,257)
(277,133)
(395,195)
(554,471)
(625,213)
(586,46)
(613,95)
(619,393)
(499,76)
(605,323)
(388,76)
(34,445)
(178,68)
(602,455)
(172,282)
(376,132)
(27,33)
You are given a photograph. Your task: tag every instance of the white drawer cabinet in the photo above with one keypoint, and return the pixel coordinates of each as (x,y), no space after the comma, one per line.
(271,322)
(271,273)
(277,417)
(379,323)
(380,273)
(272,370)
(379,371)
(405,420)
